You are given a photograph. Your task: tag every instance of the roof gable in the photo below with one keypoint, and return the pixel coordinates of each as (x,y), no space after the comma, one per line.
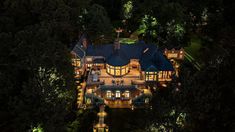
(151,68)
(79,51)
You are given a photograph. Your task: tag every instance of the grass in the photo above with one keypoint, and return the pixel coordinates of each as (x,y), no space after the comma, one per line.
(127,41)
(194,47)
(192,52)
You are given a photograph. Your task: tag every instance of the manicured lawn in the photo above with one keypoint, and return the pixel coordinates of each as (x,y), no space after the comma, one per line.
(127,41)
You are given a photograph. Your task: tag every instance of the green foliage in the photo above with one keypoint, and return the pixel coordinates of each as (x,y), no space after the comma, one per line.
(37,129)
(127,9)
(207,104)
(194,47)
(97,22)
(73,126)
(175,30)
(36,76)
(148,27)
(127,41)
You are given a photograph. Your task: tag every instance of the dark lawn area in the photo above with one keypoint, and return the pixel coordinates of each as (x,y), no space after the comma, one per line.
(194,47)
(126,120)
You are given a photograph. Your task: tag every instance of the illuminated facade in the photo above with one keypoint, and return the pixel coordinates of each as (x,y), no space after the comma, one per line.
(151,76)
(174,53)
(119,75)
(117,70)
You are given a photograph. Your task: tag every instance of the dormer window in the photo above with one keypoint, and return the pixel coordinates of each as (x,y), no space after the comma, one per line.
(151,76)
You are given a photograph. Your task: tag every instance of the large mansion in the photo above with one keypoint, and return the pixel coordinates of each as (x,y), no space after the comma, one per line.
(119,75)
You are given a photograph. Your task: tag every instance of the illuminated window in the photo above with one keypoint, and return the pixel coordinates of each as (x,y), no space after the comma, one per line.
(127,94)
(151,76)
(169,74)
(110,66)
(127,68)
(76,71)
(164,74)
(112,71)
(173,55)
(118,94)
(117,71)
(146,100)
(108,94)
(89,65)
(155,77)
(160,74)
(76,62)
(89,59)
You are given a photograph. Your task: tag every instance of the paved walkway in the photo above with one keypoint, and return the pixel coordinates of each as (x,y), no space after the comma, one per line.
(101,126)
(118,104)
(80,96)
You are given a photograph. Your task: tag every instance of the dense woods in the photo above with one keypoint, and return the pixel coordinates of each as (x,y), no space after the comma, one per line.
(37,88)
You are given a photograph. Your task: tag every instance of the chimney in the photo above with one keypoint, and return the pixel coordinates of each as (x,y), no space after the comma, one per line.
(84,43)
(116,44)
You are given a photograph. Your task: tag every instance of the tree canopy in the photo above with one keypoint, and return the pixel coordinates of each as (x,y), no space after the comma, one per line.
(37,86)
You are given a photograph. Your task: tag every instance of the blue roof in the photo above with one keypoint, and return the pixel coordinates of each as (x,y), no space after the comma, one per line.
(99,50)
(162,63)
(118,58)
(80,52)
(148,54)
(151,68)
